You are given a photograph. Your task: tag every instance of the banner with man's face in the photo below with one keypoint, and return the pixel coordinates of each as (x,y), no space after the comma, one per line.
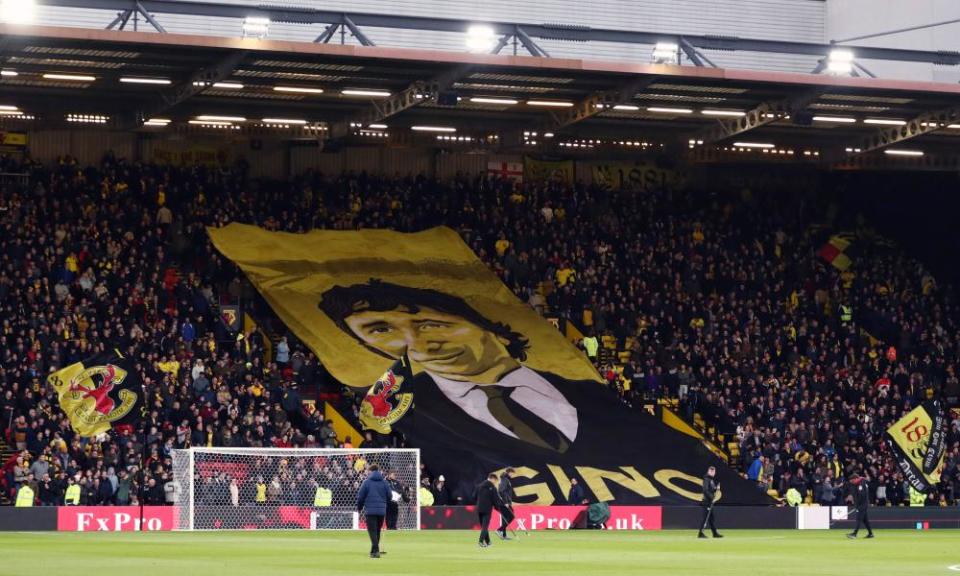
(295,271)
(489,383)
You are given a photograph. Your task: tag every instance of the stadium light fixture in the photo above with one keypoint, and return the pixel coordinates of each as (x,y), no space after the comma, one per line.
(9,73)
(11,113)
(731,113)
(885,121)
(377,126)
(481,38)
(70,77)
(366,93)
(840,62)
(550,103)
(502,101)
(954,126)
(665,110)
(282,121)
(904,152)
(298,89)
(835,119)
(626,107)
(228,85)
(214,118)
(8,108)
(666,53)
(159,120)
(210,122)
(17,11)
(255,27)
(446,129)
(163,81)
(155,124)
(754,145)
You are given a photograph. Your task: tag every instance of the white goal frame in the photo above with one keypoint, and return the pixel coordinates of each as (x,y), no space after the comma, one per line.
(186,491)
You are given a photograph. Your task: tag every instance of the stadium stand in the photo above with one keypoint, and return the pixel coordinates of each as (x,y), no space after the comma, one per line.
(722,308)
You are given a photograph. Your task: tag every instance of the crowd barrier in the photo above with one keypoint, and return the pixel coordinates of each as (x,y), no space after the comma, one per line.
(162,518)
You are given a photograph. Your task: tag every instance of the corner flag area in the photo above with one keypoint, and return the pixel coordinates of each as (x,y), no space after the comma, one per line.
(768,552)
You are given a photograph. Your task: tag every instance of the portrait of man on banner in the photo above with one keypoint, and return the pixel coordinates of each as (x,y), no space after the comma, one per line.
(480,381)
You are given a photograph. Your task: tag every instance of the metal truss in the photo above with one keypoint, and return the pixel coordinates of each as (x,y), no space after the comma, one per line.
(923,124)
(414,95)
(597,103)
(692,45)
(136,10)
(198,82)
(764,114)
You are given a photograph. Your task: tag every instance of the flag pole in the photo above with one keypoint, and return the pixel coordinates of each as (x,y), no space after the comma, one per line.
(143,475)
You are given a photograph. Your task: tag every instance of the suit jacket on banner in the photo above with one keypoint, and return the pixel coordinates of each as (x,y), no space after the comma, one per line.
(619,452)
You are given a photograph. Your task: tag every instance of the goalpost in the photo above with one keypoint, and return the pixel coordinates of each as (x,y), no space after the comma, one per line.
(287,489)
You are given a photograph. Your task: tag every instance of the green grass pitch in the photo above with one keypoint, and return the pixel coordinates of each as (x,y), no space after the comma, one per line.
(742,552)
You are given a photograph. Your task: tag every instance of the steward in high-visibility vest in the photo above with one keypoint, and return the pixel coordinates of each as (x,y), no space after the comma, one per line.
(72,496)
(24,497)
(426,496)
(917,498)
(261,492)
(793,497)
(323,497)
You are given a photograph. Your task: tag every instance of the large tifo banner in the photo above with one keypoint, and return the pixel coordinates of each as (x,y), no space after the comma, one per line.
(490,383)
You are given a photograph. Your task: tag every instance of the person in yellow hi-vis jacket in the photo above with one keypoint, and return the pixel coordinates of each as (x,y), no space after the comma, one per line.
(72,496)
(917,498)
(25,496)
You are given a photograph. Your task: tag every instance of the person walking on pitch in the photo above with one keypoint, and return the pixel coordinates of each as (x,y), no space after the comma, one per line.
(860,492)
(488,500)
(710,487)
(506,496)
(372,501)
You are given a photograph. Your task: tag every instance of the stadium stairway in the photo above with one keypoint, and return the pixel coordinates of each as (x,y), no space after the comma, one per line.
(6,453)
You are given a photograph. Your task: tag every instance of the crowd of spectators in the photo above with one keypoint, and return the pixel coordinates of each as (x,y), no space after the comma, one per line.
(721,300)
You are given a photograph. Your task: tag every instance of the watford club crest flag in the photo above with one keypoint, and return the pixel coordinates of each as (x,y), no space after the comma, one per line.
(919,441)
(230,316)
(98,393)
(389,399)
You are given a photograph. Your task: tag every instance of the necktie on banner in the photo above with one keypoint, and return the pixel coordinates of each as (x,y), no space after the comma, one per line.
(525,424)
(99,393)
(389,399)
(918,441)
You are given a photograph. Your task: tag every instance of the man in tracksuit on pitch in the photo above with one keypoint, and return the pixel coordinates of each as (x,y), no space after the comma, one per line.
(710,487)
(488,499)
(506,495)
(372,500)
(860,491)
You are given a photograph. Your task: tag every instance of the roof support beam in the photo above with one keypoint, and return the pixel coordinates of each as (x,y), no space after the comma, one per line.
(327,34)
(922,124)
(598,102)
(764,114)
(697,57)
(198,82)
(357,33)
(414,95)
(566,32)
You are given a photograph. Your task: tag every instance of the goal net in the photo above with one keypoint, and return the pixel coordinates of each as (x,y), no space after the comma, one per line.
(288,489)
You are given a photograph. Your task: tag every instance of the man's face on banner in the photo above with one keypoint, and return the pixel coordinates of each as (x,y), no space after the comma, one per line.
(444,344)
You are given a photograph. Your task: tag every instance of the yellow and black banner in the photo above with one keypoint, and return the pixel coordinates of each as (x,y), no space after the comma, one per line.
(919,443)
(636,176)
(469,374)
(99,393)
(559,171)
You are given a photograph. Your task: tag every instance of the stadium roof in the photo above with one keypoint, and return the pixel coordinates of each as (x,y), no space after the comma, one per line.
(54,75)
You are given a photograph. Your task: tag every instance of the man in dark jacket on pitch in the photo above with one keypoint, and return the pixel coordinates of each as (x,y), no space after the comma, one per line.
(710,487)
(372,500)
(506,496)
(860,492)
(488,499)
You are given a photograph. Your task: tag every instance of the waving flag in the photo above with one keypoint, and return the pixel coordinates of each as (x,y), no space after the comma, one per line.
(99,393)
(919,442)
(389,399)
